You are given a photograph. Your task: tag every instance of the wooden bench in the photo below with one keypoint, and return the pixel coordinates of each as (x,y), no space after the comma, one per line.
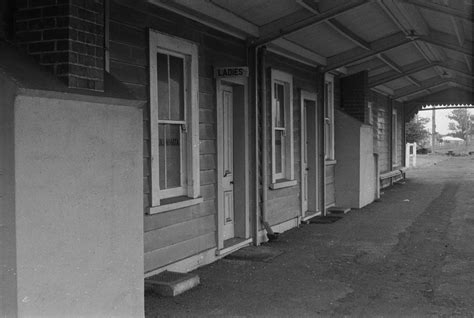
(390,177)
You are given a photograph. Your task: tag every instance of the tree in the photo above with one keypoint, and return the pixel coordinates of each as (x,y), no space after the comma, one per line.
(415,130)
(462,125)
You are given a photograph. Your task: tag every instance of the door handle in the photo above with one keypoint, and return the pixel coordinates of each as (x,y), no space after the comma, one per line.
(307,169)
(232,182)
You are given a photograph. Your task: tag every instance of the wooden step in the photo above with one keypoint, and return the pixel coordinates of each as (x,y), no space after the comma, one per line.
(171,284)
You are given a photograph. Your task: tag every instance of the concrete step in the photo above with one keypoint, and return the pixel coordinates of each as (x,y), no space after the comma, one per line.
(171,284)
(338,210)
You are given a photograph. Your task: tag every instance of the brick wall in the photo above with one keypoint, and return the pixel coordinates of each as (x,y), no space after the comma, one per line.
(65,36)
(354,94)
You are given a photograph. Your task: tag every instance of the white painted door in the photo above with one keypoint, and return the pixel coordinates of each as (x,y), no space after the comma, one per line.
(304,159)
(228,166)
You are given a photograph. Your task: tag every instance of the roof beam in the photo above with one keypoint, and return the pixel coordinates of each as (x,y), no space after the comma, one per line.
(464,86)
(406,25)
(293,50)
(389,62)
(391,76)
(413,81)
(397,68)
(335,25)
(284,26)
(446,41)
(430,83)
(415,68)
(468,62)
(441,9)
(211,15)
(357,54)
(461,36)
(348,34)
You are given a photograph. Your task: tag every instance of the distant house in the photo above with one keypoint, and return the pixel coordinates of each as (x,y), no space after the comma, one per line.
(452,140)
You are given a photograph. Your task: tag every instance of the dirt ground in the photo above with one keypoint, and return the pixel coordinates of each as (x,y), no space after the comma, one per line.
(410,255)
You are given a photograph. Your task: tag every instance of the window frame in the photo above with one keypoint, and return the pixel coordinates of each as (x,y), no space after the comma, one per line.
(287,153)
(370,115)
(189,130)
(394,137)
(329,153)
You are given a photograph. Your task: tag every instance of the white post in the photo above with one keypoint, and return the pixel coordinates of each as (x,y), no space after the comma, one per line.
(407,155)
(414,154)
(410,153)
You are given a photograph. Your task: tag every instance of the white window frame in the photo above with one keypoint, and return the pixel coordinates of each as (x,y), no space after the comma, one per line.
(170,45)
(370,115)
(329,118)
(287,174)
(394,137)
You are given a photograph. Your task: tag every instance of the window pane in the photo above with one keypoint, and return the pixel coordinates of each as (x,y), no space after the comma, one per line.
(176,88)
(279,105)
(162,155)
(163,88)
(169,156)
(173,156)
(278,151)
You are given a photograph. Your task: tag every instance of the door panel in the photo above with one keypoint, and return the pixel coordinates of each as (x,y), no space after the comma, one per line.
(228,166)
(304,163)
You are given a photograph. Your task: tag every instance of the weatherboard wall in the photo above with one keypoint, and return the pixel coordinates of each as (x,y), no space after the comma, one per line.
(177,234)
(285,204)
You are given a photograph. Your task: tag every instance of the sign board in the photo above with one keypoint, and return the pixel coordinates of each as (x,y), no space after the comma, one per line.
(231,71)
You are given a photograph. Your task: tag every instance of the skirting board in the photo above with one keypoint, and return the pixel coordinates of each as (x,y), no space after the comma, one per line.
(207,257)
(188,264)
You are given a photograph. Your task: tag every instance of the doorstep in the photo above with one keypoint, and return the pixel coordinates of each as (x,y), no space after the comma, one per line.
(171,284)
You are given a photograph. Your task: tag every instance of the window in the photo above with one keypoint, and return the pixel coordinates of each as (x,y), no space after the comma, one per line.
(329,117)
(370,115)
(282,127)
(394,137)
(173,119)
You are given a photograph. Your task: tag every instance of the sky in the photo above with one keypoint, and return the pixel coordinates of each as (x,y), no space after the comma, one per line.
(442,120)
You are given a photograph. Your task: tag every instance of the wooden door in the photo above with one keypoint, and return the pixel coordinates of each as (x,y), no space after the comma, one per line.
(228,164)
(304,159)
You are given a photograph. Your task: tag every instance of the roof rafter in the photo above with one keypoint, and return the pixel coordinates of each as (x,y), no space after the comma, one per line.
(430,83)
(210,14)
(442,9)
(357,54)
(447,41)
(397,68)
(461,36)
(288,25)
(335,25)
(415,68)
(406,29)
(348,34)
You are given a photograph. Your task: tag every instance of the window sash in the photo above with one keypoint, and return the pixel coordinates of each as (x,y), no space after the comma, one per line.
(282,126)
(280,158)
(329,117)
(167,165)
(394,137)
(186,81)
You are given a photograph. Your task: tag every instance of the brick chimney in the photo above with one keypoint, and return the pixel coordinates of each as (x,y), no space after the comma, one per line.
(66,36)
(355,92)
